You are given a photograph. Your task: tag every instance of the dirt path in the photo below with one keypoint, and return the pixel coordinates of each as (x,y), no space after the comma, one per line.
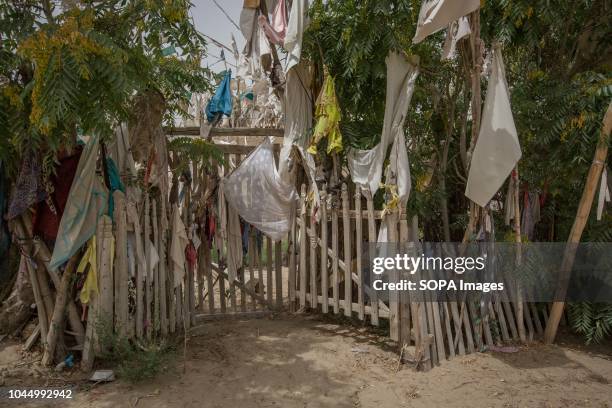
(305,362)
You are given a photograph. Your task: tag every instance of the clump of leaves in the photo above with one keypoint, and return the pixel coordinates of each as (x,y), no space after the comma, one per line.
(592,320)
(134,360)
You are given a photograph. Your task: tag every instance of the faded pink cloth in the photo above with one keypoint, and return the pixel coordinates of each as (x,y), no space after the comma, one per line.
(276,31)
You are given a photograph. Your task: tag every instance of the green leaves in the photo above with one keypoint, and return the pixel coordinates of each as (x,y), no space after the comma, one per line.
(84,69)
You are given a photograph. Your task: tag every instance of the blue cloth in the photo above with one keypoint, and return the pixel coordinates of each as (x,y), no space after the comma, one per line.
(221,102)
(115,184)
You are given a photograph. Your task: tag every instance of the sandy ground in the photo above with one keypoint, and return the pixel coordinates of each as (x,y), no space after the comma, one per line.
(304,361)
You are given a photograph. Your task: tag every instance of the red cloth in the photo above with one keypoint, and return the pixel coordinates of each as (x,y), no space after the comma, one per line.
(46,223)
(191,255)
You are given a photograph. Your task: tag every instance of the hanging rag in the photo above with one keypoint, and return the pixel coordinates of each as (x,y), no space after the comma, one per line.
(178,243)
(398,172)
(497,149)
(115,184)
(457,30)
(246,229)
(221,102)
(366,166)
(256,55)
(120,151)
(604,193)
(258,194)
(298,119)
(157,164)
(191,256)
(153,260)
(136,237)
(438,14)
(86,203)
(298,22)
(47,220)
(234,244)
(531,213)
(328,118)
(90,287)
(29,187)
(277,30)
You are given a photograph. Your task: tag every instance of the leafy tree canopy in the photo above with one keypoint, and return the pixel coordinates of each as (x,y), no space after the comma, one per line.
(76,67)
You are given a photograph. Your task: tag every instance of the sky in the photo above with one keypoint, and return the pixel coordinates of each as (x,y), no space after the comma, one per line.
(211,21)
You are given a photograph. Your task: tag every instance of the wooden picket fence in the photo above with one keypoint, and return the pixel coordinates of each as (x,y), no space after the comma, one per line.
(319,266)
(330,278)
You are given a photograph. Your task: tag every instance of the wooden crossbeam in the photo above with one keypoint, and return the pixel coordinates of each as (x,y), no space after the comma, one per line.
(217,132)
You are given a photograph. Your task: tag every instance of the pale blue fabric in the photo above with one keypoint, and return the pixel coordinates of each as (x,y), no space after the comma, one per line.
(87,202)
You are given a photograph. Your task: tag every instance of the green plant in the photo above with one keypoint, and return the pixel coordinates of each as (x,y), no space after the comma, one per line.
(134,360)
(592,320)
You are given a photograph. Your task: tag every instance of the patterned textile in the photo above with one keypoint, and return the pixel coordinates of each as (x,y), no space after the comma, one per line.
(29,188)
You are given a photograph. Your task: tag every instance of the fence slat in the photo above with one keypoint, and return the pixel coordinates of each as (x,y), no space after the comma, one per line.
(392,238)
(269,272)
(336,255)
(372,239)
(121,264)
(278,260)
(346,228)
(312,235)
(147,274)
(292,268)
(163,276)
(324,274)
(303,235)
(358,253)
(404,298)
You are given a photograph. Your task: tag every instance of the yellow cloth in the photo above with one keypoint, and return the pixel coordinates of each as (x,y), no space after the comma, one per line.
(392,204)
(91,282)
(328,119)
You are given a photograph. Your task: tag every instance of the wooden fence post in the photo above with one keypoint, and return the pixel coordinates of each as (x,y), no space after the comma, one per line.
(303,237)
(324,273)
(121,264)
(346,229)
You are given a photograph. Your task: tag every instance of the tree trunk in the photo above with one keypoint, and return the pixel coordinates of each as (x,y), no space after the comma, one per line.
(57,322)
(15,310)
(582,215)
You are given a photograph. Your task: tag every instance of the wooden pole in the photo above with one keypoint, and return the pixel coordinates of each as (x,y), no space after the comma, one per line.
(520,321)
(156,276)
(303,235)
(41,252)
(57,321)
(346,229)
(121,264)
(41,309)
(147,274)
(161,249)
(324,272)
(582,215)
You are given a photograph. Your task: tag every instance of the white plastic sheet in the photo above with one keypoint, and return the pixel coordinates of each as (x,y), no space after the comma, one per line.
(256,191)
(438,14)
(366,166)
(497,149)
